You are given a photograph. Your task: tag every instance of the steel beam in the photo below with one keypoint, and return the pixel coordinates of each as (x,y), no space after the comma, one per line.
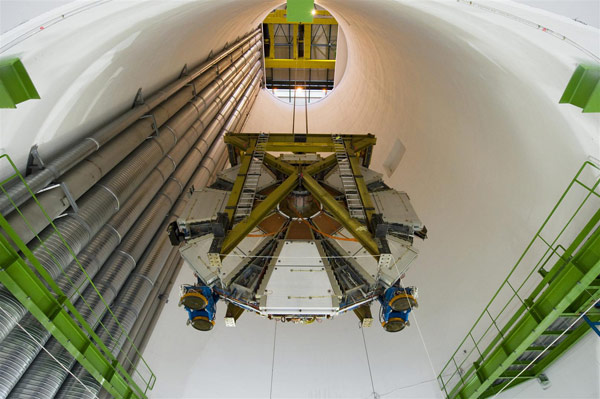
(243,228)
(365,196)
(294,44)
(321,165)
(238,185)
(321,17)
(357,229)
(307,41)
(271,41)
(279,165)
(298,63)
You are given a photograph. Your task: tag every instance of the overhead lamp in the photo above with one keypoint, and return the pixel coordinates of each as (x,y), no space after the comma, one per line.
(313,12)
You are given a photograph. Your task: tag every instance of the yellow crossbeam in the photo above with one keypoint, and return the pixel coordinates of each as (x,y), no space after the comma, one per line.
(299,63)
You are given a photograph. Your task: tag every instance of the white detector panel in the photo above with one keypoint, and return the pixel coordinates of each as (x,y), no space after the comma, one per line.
(299,283)
(195,253)
(265,180)
(203,206)
(396,208)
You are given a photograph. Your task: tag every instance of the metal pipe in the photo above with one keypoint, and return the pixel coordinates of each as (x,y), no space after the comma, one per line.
(61,164)
(114,274)
(142,328)
(133,296)
(102,201)
(100,164)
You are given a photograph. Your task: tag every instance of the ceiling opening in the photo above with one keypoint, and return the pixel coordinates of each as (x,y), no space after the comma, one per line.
(300,56)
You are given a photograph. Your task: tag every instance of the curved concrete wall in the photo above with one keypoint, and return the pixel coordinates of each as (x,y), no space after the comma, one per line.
(473,97)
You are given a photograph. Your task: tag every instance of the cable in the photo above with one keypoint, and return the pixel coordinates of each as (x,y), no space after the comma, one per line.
(273,361)
(375,394)
(416,323)
(51,355)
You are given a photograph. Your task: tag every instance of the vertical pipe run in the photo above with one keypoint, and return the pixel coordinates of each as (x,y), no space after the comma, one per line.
(212,130)
(134,296)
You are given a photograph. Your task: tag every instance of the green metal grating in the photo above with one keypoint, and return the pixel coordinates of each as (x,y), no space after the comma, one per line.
(536,314)
(39,293)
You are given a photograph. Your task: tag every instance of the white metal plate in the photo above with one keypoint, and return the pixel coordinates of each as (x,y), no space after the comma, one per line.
(334,181)
(403,253)
(266,179)
(195,253)
(239,254)
(396,208)
(204,204)
(299,283)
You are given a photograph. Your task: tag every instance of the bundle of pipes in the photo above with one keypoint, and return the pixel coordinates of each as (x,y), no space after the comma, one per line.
(105,198)
(109,210)
(132,299)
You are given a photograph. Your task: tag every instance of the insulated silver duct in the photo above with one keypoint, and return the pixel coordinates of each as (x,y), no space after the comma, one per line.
(93,168)
(143,326)
(133,297)
(123,261)
(104,199)
(61,164)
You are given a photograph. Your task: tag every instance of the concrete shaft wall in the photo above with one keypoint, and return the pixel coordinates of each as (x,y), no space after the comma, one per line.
(473,97)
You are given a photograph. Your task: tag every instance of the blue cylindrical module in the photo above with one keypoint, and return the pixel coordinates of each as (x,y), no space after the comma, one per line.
(397,303)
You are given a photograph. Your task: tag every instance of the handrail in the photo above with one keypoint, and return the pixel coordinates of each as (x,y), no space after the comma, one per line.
(552,248)
(25,253)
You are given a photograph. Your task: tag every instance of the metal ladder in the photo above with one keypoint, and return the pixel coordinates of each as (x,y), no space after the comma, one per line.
(246,201)
(355,206)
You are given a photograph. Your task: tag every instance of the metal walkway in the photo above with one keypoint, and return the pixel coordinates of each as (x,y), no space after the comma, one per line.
(355,205)
(246,201)
(528,324)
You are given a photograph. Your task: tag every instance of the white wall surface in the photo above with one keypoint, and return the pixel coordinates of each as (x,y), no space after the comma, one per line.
(472,95)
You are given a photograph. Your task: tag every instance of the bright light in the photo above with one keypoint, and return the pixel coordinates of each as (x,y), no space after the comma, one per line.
(298,89)
(313,12)
(324,90)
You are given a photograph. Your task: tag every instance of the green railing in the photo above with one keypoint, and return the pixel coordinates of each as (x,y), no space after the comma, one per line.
(34,287)
(555,245)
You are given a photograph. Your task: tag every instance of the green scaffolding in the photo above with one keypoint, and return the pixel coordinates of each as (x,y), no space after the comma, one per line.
(537,313)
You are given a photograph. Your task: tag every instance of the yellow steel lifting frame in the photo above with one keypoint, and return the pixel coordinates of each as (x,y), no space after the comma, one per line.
(310,143)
